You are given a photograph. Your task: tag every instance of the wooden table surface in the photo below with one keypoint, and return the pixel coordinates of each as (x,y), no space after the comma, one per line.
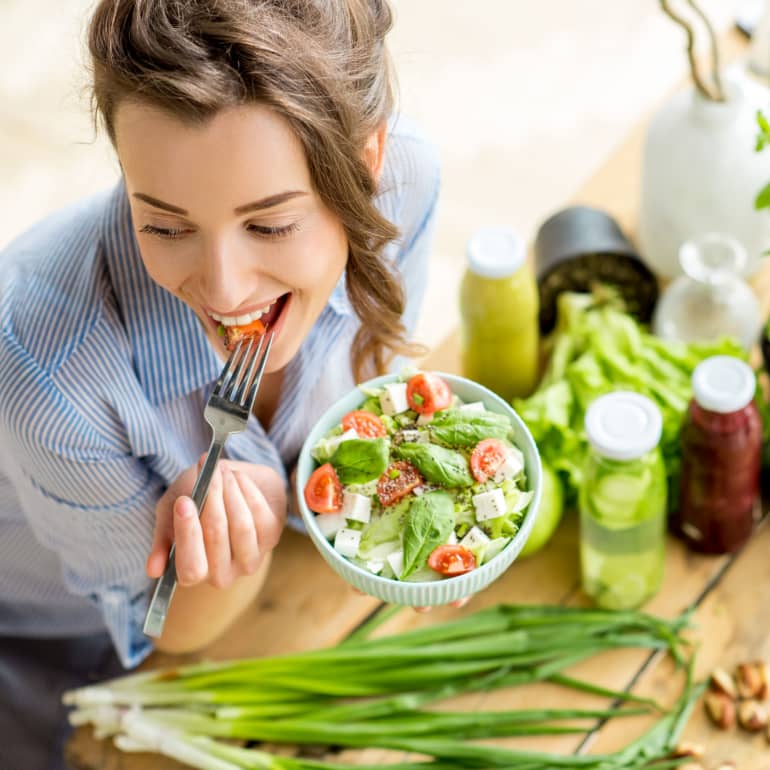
(306,605)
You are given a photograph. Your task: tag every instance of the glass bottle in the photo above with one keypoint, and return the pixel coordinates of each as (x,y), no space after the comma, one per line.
(721,444)
(499,310)
(710,299)
(623,502)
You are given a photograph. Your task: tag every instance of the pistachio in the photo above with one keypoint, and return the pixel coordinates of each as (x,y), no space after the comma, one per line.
(751,680)
(752,716)
(720,708)
(689,749)
(721,681)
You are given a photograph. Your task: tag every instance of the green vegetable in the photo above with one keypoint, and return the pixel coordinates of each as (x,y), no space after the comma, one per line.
(220,330)
(458,428)
(377,692)
(437,464)
(326,447)
(548,513)
(360,460)
(597,348)
(372,405)
(384,527)
(431,520)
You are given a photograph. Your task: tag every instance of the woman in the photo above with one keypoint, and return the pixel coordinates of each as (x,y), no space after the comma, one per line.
(262,176)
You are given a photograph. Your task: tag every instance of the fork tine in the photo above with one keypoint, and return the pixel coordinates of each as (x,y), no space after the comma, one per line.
(237,374)
(258,376)
(224,378)
(246,379)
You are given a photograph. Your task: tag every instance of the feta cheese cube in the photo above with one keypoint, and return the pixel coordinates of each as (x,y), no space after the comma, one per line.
(393,400)
(475,538)
(330,524)
(356,507)
(452,539)
(396,561)
(375,566)
(424,419)
(474,406)
(346,542)
(512,467)
(489,505)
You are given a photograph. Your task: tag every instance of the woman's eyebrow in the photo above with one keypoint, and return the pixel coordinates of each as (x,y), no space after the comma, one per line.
(263,203)
(269,202)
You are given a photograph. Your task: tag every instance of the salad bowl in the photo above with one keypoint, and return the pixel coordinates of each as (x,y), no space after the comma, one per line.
(425,588)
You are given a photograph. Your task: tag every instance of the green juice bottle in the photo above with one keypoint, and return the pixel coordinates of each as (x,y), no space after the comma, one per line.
(499,309)
(623,502)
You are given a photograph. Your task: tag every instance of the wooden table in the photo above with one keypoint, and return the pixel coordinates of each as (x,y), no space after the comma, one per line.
(305,605)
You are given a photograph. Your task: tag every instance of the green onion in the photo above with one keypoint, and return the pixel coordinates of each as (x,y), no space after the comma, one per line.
(377,692)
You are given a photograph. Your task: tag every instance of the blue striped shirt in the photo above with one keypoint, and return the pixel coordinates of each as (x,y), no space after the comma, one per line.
(103,379)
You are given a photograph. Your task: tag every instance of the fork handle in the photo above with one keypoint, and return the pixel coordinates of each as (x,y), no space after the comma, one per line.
(164,589)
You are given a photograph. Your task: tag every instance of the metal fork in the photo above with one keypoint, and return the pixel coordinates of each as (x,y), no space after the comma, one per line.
(227,411)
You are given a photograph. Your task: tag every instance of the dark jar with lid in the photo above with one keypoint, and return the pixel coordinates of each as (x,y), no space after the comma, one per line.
(721,444)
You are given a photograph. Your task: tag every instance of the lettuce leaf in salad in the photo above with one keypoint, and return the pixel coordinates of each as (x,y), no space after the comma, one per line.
(326,446)
(385,526)
(360,460)
(429,524)
(458,428)
(437,464)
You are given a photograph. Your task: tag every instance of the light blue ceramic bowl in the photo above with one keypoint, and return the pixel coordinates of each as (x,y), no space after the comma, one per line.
(438,591)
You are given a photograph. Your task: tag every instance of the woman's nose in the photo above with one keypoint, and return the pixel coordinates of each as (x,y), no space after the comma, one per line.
(224,277)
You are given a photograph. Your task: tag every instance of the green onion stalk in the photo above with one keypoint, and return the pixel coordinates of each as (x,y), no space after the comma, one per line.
(378,692)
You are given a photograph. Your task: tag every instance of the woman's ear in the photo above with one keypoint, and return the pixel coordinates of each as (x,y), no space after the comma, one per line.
(374,150)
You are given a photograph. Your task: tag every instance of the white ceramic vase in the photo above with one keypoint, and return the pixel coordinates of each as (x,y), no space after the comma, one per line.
(701,174)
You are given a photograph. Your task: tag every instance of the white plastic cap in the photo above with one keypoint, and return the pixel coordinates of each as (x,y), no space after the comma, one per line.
(723,384)
(495,252)
(623,425)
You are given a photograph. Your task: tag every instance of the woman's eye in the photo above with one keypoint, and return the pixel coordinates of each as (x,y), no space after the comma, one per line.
(266,231)
(164,232)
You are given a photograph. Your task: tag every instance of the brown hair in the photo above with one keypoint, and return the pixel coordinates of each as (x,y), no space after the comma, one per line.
(321,64)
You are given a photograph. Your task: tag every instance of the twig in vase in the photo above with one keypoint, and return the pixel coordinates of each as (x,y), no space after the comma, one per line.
(715,70)
(700,85)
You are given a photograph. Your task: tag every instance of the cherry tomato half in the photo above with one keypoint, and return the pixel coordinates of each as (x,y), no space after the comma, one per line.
(452,560)
(399,479)
(427,393)
(487,457)
(323,491)
(365,424)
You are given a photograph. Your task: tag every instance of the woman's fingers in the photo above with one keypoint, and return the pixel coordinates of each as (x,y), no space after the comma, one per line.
(268,525)
(162,537)
(460,602)
(191,562)
(216,534)
(243,534)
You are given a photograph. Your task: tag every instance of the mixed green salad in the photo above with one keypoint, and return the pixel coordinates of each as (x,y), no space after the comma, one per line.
(417,485)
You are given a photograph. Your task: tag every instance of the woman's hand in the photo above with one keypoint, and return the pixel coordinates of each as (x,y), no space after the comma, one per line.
(242,520)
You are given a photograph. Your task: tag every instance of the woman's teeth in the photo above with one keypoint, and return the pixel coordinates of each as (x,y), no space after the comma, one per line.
(241,320)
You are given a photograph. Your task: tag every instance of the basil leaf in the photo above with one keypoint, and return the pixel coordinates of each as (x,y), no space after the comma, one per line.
(360,460)
(437,464)
(429,523)
(457,428)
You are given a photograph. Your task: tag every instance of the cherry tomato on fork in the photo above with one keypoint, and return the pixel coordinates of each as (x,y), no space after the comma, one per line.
(365,424)
(427,393)
(452,560)
(487,458)
(323,491)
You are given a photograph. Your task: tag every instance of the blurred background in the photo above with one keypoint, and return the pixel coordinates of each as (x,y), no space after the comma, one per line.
(524,100)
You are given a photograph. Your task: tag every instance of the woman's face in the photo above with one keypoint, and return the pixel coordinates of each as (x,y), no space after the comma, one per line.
(227,219)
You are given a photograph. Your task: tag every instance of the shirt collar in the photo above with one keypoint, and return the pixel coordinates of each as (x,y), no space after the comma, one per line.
(172,355)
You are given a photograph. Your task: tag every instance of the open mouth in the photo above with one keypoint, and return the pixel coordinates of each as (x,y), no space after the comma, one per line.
(233,328)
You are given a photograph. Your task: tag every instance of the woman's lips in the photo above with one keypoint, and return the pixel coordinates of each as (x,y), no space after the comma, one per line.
(271,317)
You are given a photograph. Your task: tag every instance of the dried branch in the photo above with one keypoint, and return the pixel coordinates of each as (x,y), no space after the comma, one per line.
(716,75)
(700,85)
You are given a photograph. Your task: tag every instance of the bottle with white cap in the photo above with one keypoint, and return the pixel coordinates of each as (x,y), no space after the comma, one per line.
(623,501)
(499,307)
(721,443)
